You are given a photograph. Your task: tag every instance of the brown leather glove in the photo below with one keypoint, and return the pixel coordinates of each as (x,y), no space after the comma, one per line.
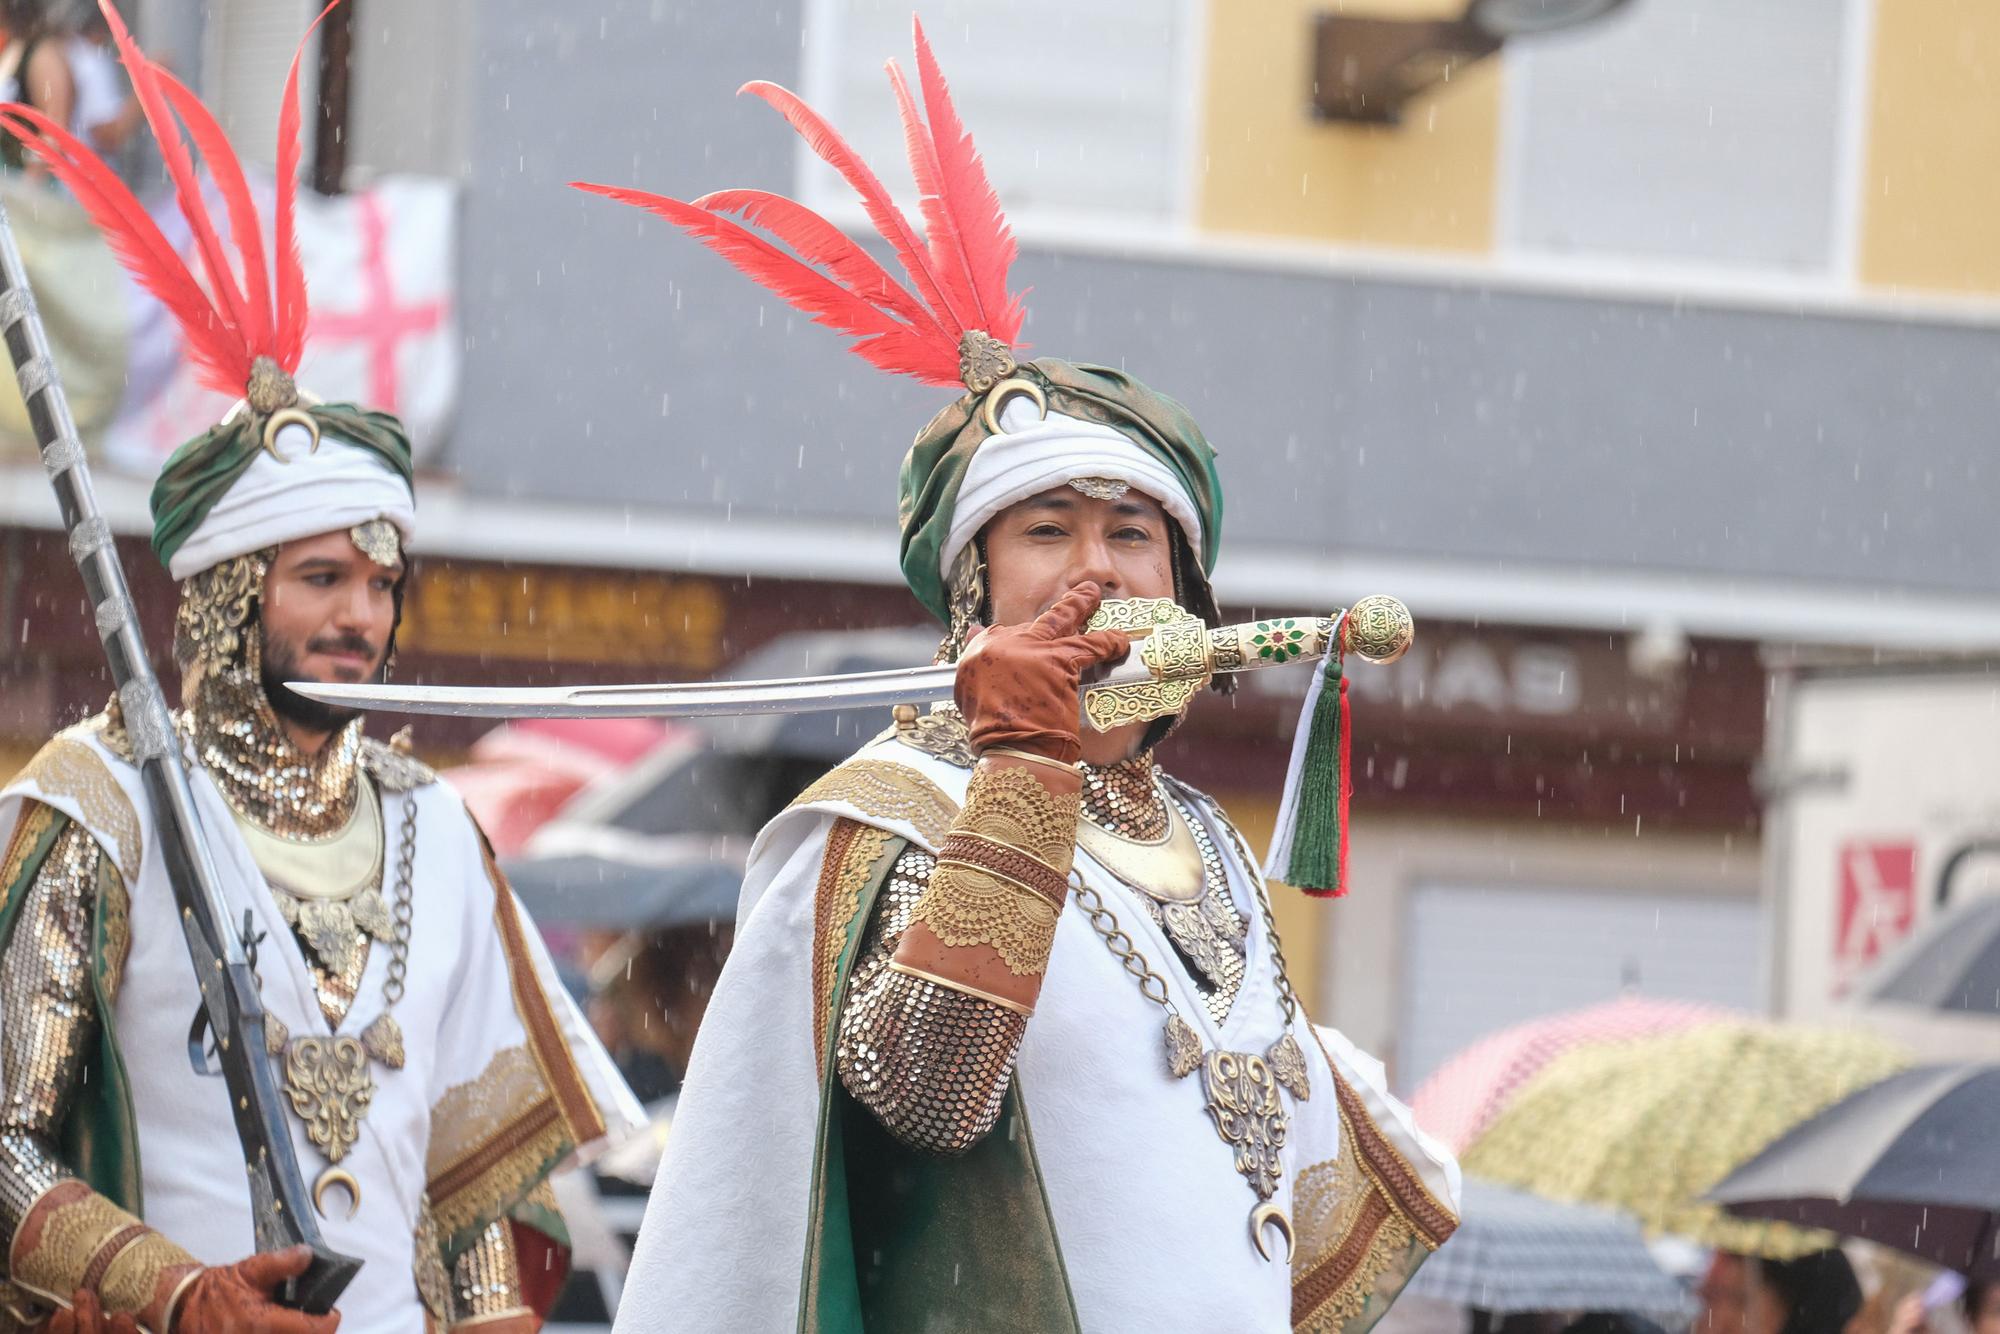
(240,1297)
(86,1316)
(1019,685)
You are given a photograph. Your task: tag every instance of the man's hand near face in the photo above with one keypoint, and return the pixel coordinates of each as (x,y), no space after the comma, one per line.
(1019,686)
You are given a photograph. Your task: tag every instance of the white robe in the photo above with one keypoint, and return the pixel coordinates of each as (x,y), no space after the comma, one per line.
(1149,1211)
(457,1012)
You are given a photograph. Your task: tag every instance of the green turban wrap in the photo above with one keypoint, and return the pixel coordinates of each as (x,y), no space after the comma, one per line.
(223,494)
(1170,455)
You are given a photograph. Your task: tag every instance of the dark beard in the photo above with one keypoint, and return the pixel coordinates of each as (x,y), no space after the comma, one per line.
(280,665)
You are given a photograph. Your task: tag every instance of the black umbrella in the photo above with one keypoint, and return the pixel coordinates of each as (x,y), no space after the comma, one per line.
(1952,965)
(1912,1162)
(828,736)
(586,890)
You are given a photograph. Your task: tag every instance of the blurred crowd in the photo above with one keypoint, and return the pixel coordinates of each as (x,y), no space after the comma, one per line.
(57,57)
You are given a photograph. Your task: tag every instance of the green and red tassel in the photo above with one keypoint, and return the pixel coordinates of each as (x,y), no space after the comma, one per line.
(1309,845)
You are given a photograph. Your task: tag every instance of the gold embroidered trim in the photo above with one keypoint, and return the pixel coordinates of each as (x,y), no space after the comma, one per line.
(472,1114)
(1356,1218)
(852,849)
(1385,1165)
(489,1184)
(493,1138)
(545,1039)
(36,819)
(113,1246)
(1337,1284)
(1006,861)
(67,767)
(114,917)
(1012,807)
(134,1274)
(83,1232)
(885,790)
(968,905)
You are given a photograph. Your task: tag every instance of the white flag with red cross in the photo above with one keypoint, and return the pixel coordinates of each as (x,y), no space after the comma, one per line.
(380,265)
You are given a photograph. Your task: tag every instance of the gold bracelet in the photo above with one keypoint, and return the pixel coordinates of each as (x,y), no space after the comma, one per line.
(1011,751)
(962,847)
(950,984)
(174,1301)
(1037,857)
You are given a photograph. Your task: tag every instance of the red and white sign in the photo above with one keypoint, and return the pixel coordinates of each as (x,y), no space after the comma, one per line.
(379,267)
(1877,905)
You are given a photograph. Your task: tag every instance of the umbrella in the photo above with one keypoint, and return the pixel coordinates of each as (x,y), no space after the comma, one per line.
(828,736)
(1515,1251)
(1464,1095)
(1952,965)
(1650,1126)
(581,890)
(522,773)
(1912,1162)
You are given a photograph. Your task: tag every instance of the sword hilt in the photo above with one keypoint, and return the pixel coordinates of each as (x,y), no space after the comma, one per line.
(1176,654)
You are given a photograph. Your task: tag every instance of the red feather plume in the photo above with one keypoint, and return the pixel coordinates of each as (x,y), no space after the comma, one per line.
(956,270)
(235,320)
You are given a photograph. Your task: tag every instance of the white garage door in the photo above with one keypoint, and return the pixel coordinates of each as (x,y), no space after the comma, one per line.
(1479,958)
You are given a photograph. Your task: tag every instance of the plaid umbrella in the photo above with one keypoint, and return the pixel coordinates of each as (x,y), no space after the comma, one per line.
(1518,1252)
(1463,1096)
(1650,1126)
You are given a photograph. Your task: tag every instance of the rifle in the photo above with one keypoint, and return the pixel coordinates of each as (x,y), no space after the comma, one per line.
(224,960)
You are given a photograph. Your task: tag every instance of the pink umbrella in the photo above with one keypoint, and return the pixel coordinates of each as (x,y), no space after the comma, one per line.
(522,773)
(1467,1092)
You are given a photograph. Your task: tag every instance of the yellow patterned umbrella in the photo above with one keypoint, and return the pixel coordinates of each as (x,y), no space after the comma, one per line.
(1649,1126)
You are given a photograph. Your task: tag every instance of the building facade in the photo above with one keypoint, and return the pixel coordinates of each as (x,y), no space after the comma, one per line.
(1629,355)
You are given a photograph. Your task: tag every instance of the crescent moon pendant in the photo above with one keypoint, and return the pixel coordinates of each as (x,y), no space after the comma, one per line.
(1271,1215)
(284,417)
(340,1176)
(997,396)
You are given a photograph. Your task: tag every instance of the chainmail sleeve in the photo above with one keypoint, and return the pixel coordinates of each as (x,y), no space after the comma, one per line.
(932,1063)
(486,1278)
(48,1018)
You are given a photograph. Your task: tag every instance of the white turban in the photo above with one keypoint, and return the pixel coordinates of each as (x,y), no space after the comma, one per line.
(1034,455)
(302,493)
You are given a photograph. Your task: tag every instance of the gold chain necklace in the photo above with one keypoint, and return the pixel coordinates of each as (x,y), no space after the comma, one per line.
(1242,1089)
(328,1078)
(1205,926)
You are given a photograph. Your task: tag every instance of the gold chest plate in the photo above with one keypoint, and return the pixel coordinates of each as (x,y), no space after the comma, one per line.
(1169,869)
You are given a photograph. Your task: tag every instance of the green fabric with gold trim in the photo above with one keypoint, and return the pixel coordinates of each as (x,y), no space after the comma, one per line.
(935,466)
(906,1235)
(200,472)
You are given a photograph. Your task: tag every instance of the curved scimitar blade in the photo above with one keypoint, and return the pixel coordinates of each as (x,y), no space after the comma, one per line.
(805,694)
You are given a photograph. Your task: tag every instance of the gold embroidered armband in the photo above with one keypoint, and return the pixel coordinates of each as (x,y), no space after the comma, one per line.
(1002,873)
(73,1239)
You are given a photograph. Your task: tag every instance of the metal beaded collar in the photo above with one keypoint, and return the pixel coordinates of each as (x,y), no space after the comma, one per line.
(1125,798)
(238,740)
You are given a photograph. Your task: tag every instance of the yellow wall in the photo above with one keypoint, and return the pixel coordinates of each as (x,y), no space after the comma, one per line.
(1932,178)
(1271,168)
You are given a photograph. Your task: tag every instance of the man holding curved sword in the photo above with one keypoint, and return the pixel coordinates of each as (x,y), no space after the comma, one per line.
(1006,1040)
